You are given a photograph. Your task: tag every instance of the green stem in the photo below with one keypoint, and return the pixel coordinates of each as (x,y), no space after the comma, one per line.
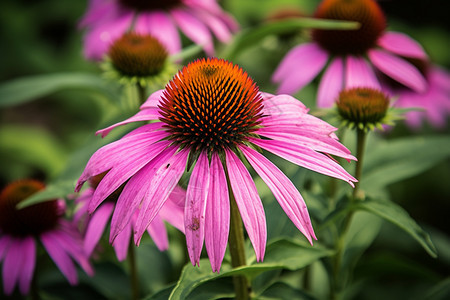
(142,93)
(237,249)
(34,291)
(133,272)
(361,142)
(336,283)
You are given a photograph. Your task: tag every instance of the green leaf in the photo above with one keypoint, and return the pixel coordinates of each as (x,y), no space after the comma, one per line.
(33,146)
(281,254)
(25,89)
(395,214)
(282,291)
(253,36)
(56,190)
(392,161)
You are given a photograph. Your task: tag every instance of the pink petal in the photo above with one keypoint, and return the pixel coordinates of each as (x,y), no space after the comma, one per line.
(5,241)
(136,189)
(153,100)
(308,139)
(12,265)
(98,40)
(96,226)
(401,44)
(331,84)
(194,29)
(302,122)
(398,69)
(306,158)
(158,24)
(282,105)
(360,74)
(60,257)
(194,212)
(217,26)
(143,115)
(300,68)
(110,155)
(284,191)
(168,173)
(248,202)
(173,210)
(122,242)
(120,173)
(217,216)
(157,231)
(28,264)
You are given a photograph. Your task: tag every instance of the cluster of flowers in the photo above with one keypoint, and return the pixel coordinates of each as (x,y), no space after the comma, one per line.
(212,119)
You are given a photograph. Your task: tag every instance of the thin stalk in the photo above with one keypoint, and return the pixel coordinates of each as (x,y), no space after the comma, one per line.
(142,93)
(236,242)
(34,291)
(336,284)
(134,283)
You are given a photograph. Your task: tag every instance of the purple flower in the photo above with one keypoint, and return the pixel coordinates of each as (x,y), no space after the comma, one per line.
(20,230)
(95,224)
(211,117)
(352,54)
(434,102)
(107,20)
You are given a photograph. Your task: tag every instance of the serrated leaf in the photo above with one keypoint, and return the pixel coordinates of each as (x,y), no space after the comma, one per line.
(251,37)
(395,214)
(25,89)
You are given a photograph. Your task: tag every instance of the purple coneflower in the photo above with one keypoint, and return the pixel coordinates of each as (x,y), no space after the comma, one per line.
(212,116)
(352,54)
(21,228)
(171,212)
(107,20)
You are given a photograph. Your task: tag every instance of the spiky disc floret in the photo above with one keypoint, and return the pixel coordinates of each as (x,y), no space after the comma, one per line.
(366,12)
(143,5)
(211,104)
(33,219)
(364,108)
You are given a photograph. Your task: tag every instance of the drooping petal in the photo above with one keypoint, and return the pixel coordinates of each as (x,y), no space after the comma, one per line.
(96,226)
(158,24)
(360,74)
(110,155)
(194,212)
(303,122)
(284,191)
(331,83)
(173,210)
(398,69)
(28,264)
(401,44)
(143,115)
(248,202)
(122,242)
(309,139)
(60,257)
(282,105)
(217,216)
(120,173)
(306,158)
(166,177)
(298,70)
(158,233)
(136,189)
(194,29)
(12,265)
(5,241)
(216,25)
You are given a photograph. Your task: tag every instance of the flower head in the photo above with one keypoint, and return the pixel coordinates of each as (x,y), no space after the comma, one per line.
(212,116)
(139,58)
(95,223)
(363,108)
(19,229)
(352,54)
(107,20)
